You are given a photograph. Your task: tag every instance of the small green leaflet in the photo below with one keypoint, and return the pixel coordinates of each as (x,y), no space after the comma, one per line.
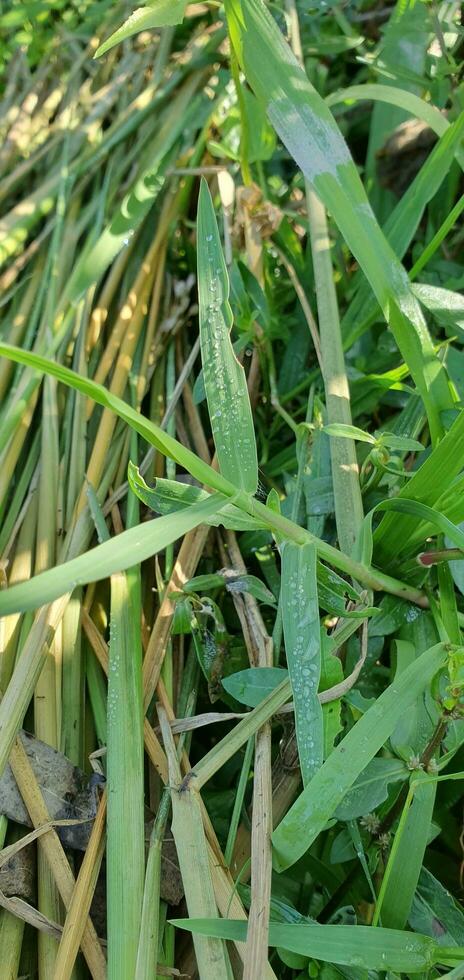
(160,13)
(317,803)
(121,552)
(300,616)
(252,685)
(172,497)
(358,946)
(224,378)
(343,431)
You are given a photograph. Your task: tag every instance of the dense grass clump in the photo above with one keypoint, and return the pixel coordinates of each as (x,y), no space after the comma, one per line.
(231,491)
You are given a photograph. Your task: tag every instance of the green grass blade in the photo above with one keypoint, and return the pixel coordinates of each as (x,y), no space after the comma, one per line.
(308,129)
(315,806)
(300,614)
(170,497)
(126,549)
(392,95)
(357,946)
(433,477)
(406,857)
(224,377)
(161,13)
(125,862)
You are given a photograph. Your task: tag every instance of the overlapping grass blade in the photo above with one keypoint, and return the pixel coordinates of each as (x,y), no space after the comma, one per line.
(308,129)
(309,814)
(118,554)
(224,377)
(356,946)
(161,13)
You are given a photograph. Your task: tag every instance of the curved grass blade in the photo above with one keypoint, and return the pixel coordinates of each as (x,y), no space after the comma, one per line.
(126,549)
(308,130)
(319,800)
(224,377)
(149,430)
(162,13)
(392,95)
(371,578)
(300,615)
(356,946)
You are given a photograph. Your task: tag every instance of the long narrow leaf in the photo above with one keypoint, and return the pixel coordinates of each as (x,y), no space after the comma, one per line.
(126,549)
(300,614)
(317,803)
(224,377)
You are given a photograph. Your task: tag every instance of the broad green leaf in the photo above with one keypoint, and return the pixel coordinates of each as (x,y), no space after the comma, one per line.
(406,857)
(157,13)
(334,592)
(319,800)
(404,443)
(445,305)
(171,497)
(331,674)
(435,913)
(371,788)
(126,549)
(224,377)
(308,129)
(252,585)
(358,946)
(252,685)
(300,617)
(427,514)
(348,432)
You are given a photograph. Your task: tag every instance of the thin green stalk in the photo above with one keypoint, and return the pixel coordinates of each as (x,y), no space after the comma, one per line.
(238,802)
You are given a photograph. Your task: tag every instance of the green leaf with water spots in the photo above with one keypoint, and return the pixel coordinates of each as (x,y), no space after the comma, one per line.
(317,803)
(300,616)
(224,377)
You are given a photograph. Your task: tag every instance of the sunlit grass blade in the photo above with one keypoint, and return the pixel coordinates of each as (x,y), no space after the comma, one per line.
(300,614)
(309,814)
(126,549)
(171,497)
(308,129)
(224,377)
(189,835)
